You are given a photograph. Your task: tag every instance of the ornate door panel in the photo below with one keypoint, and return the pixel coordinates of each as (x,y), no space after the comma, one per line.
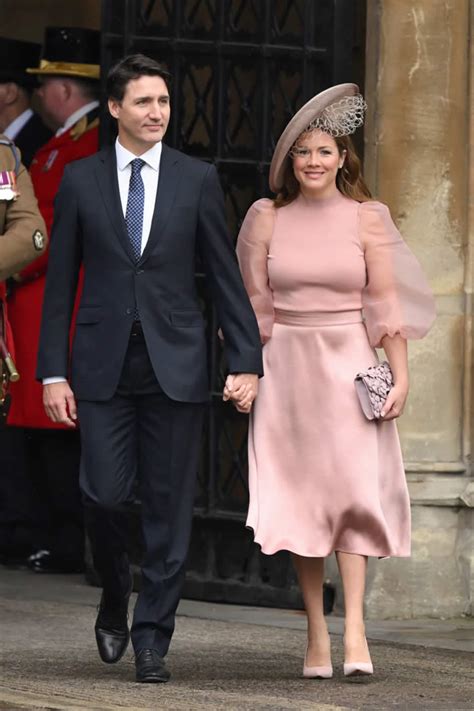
(241,68)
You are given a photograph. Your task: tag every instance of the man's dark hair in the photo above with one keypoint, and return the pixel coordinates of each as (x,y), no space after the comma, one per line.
(133,67)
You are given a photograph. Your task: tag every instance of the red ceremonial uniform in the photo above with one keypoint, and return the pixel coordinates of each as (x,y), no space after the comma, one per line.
(6,325)
(25,305)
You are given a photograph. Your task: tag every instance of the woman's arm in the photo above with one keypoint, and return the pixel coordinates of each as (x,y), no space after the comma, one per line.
(396,350)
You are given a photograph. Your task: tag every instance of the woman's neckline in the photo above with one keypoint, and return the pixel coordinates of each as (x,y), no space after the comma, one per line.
(320,201)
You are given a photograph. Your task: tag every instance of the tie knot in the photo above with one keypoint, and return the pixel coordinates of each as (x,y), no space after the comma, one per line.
(137,164)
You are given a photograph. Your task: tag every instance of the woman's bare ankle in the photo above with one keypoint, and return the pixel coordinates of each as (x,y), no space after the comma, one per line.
(318,651)
(354,628)
(356,648)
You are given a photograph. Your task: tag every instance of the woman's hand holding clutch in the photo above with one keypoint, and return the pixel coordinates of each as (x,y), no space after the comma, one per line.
(395,402)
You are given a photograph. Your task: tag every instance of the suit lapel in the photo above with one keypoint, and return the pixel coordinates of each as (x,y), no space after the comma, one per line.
(106,174)
(165,194)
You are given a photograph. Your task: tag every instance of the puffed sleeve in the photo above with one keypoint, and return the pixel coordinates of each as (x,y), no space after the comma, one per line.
(397,297)
(252,252)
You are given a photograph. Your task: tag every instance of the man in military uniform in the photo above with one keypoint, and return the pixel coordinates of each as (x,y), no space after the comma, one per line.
(22,239)
(22,229)
(18,121)
(69,78)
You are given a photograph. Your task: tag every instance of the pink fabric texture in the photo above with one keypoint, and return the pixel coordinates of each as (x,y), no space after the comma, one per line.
(321,476)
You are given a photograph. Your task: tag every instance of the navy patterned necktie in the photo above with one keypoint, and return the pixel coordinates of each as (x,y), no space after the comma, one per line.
(135,207)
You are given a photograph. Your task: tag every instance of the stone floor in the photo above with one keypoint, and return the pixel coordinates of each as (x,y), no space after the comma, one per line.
(222,657)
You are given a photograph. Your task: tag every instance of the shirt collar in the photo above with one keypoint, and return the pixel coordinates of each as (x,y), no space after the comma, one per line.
(76,116)
(151,157)
(14,128)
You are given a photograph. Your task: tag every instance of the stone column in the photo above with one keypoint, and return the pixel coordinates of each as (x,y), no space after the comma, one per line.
(419,129)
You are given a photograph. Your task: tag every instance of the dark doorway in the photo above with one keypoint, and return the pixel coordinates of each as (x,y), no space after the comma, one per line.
(241,69)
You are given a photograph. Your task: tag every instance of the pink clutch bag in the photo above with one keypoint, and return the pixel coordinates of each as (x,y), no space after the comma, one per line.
(372,387)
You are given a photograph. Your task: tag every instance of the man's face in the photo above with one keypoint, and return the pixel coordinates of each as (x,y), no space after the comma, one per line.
(52,94)
(8,96)
(143,114)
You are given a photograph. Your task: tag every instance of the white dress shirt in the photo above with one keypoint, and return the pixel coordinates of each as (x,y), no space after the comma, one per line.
(150,174)
(76,116)
(14,128)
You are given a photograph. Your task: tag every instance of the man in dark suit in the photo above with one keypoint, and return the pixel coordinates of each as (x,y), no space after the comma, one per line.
(135,215)
(17,120)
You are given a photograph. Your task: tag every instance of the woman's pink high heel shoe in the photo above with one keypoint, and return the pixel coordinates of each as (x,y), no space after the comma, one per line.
(358,668)
(316,672)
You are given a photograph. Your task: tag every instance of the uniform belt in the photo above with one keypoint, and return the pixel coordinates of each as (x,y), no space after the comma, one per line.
(317,318)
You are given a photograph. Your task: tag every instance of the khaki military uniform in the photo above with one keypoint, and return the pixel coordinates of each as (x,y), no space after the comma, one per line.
(22,239)
(22,229)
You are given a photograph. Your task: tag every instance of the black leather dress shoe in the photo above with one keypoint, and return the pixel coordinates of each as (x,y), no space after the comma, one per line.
(44,561)
(150,667)
(111,628)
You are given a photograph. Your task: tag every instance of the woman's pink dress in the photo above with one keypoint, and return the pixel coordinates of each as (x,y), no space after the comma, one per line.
(322,478)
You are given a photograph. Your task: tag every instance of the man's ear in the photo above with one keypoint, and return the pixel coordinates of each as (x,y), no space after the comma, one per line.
(67,89)
(114,108)
(11,92)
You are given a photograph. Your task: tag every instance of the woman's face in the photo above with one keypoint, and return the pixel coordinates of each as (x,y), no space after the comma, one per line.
(316,160)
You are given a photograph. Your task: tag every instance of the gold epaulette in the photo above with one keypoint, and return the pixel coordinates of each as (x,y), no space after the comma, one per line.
(82,126)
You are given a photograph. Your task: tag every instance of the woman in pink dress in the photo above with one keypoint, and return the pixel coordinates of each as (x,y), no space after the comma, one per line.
(330,279)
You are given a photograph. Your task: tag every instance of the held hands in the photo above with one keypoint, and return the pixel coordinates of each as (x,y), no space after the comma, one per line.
(59,403)
(242,389)
(395,401)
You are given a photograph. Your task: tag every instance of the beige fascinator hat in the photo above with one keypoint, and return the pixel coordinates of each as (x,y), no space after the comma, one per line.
(338,111)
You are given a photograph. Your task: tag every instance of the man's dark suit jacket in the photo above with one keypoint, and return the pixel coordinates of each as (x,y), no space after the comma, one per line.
(89,228)
(32,136)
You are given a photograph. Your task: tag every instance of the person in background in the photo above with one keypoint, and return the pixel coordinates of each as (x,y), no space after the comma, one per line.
(69,90)
(18,121)
(22,239)
(18,501)
(322,477)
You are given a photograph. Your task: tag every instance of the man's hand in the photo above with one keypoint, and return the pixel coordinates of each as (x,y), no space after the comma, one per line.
(242,389)
(59,403)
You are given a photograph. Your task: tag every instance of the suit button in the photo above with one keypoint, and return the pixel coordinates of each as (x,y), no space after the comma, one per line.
(139,271)
(129,311)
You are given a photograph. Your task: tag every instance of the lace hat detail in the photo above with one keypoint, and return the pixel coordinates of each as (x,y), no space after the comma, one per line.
(341,118)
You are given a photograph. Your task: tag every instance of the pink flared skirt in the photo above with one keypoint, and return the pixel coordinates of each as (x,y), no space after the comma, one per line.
(323,478)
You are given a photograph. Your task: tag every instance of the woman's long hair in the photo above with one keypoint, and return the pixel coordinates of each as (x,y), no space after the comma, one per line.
(349,180)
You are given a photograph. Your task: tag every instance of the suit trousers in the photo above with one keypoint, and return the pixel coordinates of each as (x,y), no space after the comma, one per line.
(140,436)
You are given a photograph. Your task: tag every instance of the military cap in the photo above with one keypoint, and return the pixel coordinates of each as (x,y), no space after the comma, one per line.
(70,51)
(15,57)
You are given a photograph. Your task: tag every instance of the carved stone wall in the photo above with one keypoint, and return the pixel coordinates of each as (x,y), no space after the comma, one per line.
(419,160)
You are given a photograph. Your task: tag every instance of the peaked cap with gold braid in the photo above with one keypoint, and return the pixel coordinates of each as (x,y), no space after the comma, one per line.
(70,51)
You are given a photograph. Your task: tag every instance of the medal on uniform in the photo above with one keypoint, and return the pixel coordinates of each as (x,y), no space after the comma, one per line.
(51,158)
(38,240)
(8,189)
